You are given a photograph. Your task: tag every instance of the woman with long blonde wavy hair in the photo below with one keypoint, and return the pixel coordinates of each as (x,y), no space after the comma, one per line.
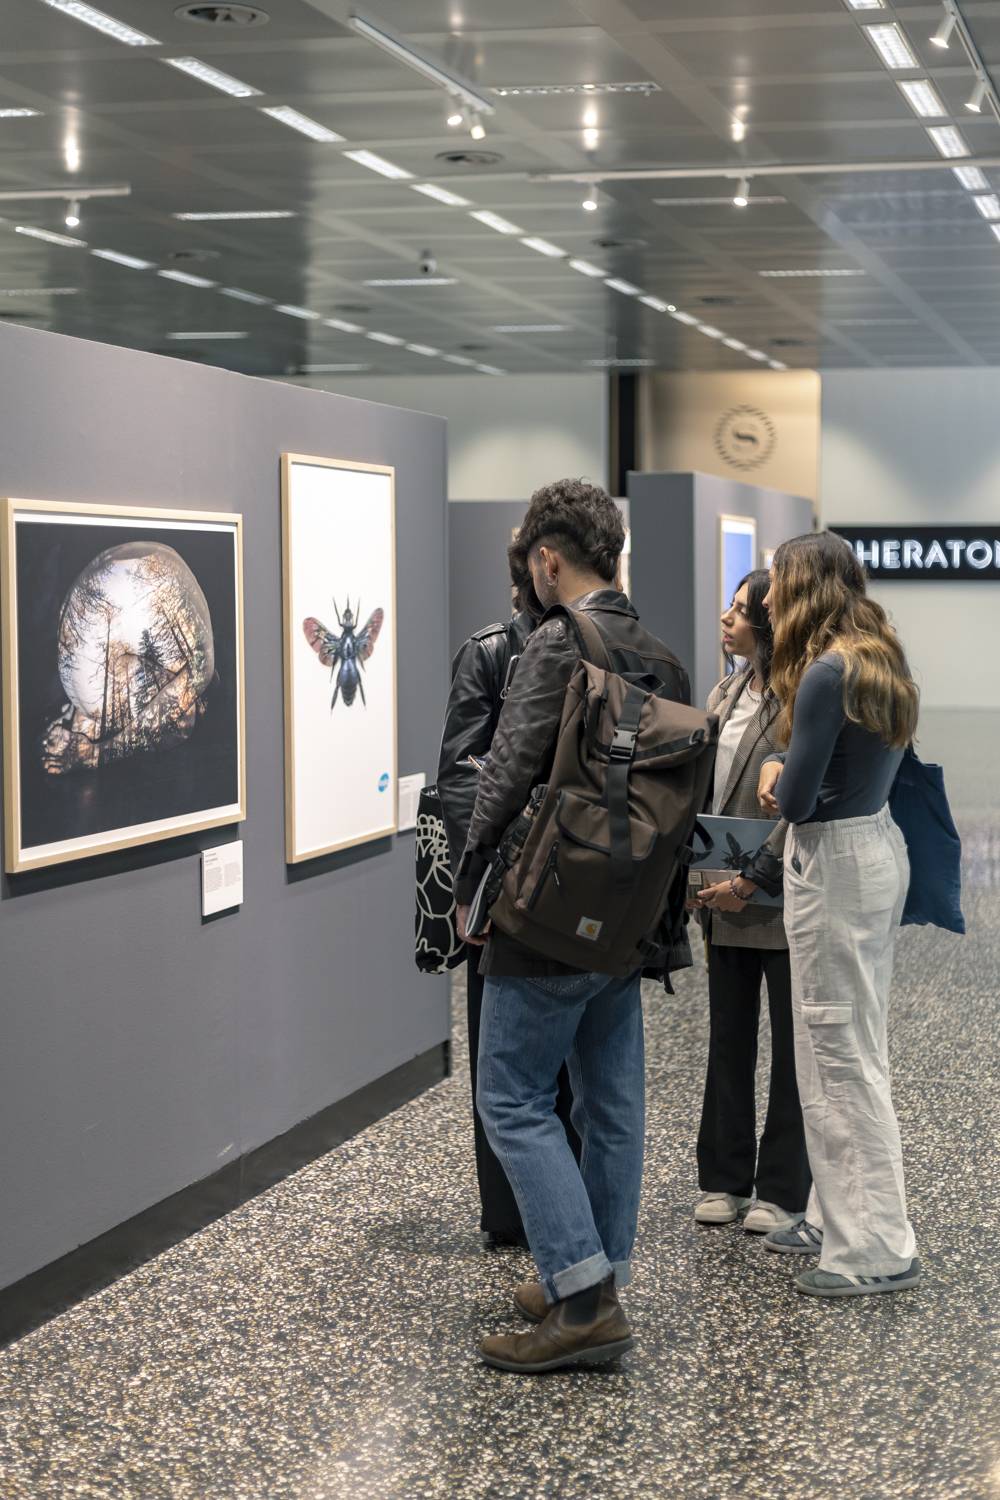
(848,711)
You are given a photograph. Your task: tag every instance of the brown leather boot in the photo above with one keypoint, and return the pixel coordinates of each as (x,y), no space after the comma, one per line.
(531,1302)
(562,1339)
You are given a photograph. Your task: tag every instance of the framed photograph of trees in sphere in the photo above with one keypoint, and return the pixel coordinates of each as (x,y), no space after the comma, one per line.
(339,535)
(123,677)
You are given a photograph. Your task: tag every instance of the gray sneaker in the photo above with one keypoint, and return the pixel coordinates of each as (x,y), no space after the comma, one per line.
(720,1208)
(829,1284)
(802,1238)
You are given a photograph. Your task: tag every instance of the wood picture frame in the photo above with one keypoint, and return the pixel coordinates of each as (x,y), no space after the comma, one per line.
(166,589)
(334,800)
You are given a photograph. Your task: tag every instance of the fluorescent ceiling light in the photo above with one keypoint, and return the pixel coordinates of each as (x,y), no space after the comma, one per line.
(656,304)
(456,86)
(385,338)
(224,82)
(735,344)
(891,45)
(458,359)
(865,4)
(538,90)
(621,364)
(625,287)
(757,354)
(100,22)
(217,335)
(411,281)
(490,370)
(19,114)
(529,328)
(38,291)
(244,213)
(330,369)
(292,311)
(923,98)
(544,247)
(239,295)
(949,140)
(343,327)
(440,194)
(988,205)
(813,271)
(494,221)
(586,268)
(285,115)
(378,164)
(972,178)
(423,349)
(132,261)
(996,230)
(685,318)
(709,331)
(777,365)
(185,278)
(50,236)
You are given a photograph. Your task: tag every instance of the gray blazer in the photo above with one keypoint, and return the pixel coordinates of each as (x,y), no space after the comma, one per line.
(756,926)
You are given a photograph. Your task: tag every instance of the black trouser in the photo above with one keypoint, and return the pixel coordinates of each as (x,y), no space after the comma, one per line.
(728,1158)
(500,1211)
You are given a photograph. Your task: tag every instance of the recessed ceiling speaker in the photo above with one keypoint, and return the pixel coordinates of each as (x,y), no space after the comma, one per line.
(230,17)
(469,158)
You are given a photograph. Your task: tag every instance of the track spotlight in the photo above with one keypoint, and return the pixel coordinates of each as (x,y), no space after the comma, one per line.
(942,36)
(590,204)
(974,103)
(73,215)
(742,195)
(477,129)
(455,117)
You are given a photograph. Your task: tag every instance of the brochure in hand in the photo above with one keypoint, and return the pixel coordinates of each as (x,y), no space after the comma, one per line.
(733,842)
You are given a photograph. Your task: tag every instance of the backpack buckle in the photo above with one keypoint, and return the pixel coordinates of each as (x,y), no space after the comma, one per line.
(623,744)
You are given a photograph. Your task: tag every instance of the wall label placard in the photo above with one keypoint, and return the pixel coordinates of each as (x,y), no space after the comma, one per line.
(926,553)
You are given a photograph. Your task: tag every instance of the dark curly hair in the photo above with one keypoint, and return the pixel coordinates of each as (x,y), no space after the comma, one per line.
(524,597)
(580,520)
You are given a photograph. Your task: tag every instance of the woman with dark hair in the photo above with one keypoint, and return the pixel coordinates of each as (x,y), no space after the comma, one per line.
(848,711)
(746,945)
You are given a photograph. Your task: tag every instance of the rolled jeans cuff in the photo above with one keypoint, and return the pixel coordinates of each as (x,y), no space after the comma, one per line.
(589,1272)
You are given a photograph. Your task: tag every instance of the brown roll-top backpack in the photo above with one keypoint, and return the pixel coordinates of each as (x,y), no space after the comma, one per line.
(587,868)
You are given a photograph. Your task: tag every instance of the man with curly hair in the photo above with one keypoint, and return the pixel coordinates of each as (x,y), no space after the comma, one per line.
(579,1220)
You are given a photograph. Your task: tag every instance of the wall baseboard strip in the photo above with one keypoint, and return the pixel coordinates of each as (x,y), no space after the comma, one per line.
(27,1304)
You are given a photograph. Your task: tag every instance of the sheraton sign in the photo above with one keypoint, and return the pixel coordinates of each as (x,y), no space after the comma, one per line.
(927,553)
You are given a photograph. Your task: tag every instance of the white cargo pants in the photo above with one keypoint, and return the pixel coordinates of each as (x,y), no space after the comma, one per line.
(845,887)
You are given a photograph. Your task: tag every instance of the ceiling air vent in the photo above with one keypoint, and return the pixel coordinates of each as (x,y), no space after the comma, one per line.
(619,242)
(193,257)
(230,17)
(470,158)
(473,348)
(352,307)
(717,300)
(787,343)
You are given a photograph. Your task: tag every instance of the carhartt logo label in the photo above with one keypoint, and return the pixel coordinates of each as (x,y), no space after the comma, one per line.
(588,928)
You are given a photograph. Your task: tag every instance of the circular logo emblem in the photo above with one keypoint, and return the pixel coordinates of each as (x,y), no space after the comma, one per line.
(383,782)
(745,437)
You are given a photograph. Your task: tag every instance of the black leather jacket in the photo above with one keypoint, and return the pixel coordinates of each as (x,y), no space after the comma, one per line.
(525,737)
(479,675)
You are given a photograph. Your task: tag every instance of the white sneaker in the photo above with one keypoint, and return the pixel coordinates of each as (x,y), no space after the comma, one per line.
(719,1208)
(767,1218)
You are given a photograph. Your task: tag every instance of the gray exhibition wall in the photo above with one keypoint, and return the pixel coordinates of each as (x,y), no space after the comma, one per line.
(675,556)
(479,533)
(142,1048)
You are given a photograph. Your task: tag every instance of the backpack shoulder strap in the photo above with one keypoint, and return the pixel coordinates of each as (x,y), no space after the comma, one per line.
(589,637)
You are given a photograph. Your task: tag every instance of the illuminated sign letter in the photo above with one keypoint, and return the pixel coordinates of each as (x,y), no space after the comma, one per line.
(979,554)
(913,554)
(935,556)
(890,554)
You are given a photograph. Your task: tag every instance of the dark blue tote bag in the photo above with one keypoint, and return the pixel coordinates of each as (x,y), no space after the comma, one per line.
(919,807)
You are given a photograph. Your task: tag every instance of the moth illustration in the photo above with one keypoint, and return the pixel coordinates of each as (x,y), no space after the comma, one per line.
(345,654)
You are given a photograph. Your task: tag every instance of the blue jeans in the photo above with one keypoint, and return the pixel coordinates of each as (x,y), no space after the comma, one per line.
(580,1220)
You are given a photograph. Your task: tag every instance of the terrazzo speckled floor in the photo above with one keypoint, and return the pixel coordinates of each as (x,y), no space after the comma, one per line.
(320,1342)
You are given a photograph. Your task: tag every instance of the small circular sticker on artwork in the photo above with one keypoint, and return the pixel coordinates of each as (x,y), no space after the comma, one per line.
(383,782)
(745,437)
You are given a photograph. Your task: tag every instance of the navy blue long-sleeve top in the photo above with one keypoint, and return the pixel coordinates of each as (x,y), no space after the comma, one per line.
(833,768)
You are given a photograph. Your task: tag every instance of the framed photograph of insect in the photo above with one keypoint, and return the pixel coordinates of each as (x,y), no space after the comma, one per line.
(123,677)
(339,553)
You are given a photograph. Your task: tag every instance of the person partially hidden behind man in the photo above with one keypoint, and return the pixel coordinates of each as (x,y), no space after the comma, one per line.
(580,1221)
